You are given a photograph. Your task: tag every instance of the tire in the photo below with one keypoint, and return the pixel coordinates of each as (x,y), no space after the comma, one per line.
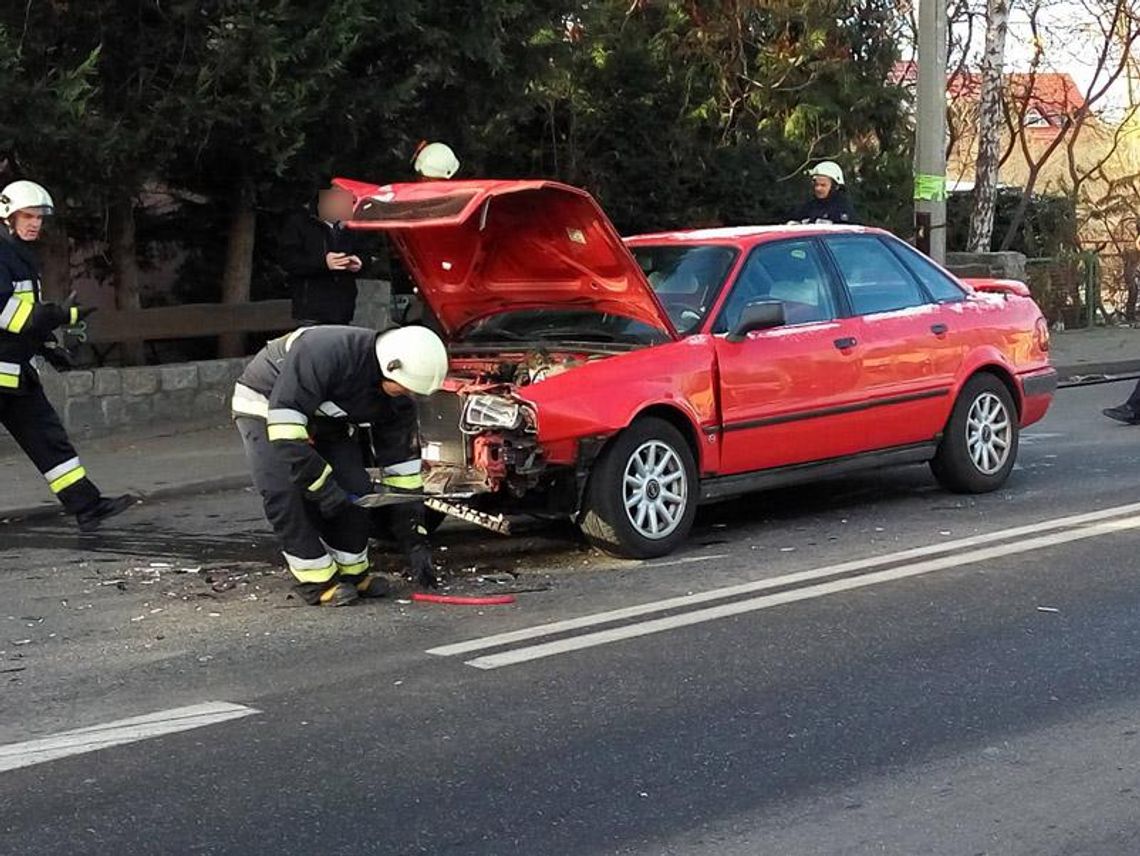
(970,458)
(608,525)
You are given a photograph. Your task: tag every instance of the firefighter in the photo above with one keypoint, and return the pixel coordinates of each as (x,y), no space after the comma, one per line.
(829,202)
(27,329)
(296,407)
(432,161)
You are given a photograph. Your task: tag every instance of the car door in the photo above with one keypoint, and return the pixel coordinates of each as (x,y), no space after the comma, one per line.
(905,381)
(785,391)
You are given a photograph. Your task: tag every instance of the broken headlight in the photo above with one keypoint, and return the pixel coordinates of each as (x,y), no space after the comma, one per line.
(491,411)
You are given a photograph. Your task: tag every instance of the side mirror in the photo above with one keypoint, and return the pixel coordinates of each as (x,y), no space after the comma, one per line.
(758,315)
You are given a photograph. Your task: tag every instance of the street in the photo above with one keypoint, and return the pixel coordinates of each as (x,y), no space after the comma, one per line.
(863,666)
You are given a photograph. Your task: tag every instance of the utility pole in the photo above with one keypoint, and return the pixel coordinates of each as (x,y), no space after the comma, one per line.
(930,131)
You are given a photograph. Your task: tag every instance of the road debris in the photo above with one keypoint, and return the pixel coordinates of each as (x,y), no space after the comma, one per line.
(1047,609)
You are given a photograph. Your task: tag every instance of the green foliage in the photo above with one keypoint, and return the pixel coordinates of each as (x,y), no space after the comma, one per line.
(673,113)
(1049,230)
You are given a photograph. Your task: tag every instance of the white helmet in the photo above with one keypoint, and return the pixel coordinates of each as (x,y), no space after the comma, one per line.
(435,160)
(829,169)
(25,196)
(414,357)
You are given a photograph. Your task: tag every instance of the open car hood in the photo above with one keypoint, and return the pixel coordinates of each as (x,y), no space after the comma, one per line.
(479,248)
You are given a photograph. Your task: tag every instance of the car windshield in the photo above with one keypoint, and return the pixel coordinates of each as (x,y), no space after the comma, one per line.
(565,325)
(686,278)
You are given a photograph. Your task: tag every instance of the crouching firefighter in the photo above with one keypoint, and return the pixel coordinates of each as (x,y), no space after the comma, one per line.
(296,407)
(27,330)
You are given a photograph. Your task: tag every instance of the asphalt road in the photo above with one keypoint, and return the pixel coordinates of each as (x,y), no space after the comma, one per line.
(865,666)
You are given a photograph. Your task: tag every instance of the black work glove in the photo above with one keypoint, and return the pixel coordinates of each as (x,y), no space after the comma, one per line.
(332,500)
(58,358)
(423,569)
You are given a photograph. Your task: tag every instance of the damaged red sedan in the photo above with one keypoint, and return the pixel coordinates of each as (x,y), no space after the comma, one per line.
(623,383)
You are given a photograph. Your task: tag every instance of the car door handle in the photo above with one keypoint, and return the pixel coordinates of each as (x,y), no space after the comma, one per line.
(846,343)
(939,329)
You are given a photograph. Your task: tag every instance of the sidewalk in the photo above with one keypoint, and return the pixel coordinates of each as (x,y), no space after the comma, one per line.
(1100,351)
(149,464)
(154,464)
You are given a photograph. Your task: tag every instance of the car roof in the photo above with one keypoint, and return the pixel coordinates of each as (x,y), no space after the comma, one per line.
(745,235)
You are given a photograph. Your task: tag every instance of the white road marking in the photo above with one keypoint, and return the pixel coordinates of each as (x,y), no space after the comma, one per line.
(95,737)
(645,628)
(538,631)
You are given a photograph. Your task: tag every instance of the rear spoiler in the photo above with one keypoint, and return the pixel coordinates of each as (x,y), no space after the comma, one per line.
(999,286)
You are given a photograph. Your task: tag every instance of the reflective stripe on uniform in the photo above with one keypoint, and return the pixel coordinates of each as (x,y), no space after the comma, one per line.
(9,375)
(285,424)
(24,286)
(332,410)
(404,475)
(311,570)
(287,432)
(65,475)
(292,337)
(351,564)
(320,482)
(15,313)
(249,402)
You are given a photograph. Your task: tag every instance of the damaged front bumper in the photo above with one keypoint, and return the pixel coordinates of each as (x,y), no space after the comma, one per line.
(485,446)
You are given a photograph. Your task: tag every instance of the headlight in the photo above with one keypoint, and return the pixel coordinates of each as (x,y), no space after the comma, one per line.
(492,411)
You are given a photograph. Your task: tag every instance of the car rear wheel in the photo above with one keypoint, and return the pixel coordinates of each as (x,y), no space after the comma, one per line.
(979,448)
(642,495)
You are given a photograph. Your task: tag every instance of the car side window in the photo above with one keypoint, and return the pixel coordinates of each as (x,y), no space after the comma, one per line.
(940,284)
(788,271)
(876,280)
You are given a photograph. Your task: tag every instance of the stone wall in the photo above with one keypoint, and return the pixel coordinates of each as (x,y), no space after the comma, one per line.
(1002,265)
(98,402)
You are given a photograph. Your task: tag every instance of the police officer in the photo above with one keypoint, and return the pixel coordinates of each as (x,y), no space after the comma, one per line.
(829,202)
(295,406)
(27,328)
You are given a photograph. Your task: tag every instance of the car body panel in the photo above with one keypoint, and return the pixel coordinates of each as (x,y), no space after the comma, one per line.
(477,248)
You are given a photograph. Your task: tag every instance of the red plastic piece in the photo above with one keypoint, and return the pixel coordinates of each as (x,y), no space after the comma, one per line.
(463,600)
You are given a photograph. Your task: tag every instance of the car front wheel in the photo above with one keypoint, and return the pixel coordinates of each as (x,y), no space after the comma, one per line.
(642,495)
(979,447)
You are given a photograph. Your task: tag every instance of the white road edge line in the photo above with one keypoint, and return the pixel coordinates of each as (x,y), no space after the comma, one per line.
(538,631)
(81,740)
(645,628)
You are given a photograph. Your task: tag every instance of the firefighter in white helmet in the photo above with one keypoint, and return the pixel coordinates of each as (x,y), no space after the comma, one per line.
(27,330)
(434,161)
(829,202)
(296,407)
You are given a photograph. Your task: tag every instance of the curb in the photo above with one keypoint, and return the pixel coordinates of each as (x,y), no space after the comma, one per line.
(210,485)
(1099,370)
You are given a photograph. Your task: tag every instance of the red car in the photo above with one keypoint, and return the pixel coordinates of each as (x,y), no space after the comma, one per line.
(623,383)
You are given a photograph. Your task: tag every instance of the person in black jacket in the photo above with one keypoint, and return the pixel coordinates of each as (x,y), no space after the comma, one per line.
(27,328)
(322,259)
(829,202)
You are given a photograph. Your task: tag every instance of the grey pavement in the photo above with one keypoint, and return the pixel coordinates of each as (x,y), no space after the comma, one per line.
(990,707)
(150,463)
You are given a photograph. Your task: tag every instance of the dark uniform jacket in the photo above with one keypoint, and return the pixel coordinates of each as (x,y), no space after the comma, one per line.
(316,379)
(320,295)
(26,322)
(836,208)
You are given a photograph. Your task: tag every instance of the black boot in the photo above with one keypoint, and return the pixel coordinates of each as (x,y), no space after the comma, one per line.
(107,506)
(369,585)
(333,593)
(1125,413)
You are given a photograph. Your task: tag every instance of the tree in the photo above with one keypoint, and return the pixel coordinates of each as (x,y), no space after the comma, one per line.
(990,120)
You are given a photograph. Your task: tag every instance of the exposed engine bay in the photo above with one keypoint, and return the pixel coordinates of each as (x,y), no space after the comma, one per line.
(479,440)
